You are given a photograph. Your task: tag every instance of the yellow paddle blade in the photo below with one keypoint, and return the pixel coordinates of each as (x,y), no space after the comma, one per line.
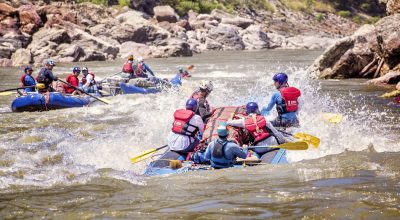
(332,118)
(391,94)
(6,93)
(314,141)
(142,156)
(299,145)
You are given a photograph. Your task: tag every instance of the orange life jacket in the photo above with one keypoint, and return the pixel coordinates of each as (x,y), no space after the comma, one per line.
(289,97)
(257,127)
(127,68)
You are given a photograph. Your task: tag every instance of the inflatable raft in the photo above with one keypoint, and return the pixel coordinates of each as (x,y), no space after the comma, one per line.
(44,102)
(172,162)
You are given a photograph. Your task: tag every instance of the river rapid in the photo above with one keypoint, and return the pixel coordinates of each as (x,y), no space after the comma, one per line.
(74,163)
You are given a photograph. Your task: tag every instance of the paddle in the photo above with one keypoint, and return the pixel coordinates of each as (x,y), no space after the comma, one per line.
(146,154)
(299,145)
(332,117)
(314,141)
(8,91)
(391,94)
(76,88)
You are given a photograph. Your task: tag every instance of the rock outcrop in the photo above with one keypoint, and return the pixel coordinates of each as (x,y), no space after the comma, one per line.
(371,52)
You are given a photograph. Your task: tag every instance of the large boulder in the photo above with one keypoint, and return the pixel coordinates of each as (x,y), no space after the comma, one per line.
(174,48)
(165,13)
(255,38)
(135,49)
(393,7)
(370,52)
(29,19)
(21,57)
(238,21)
(228,36)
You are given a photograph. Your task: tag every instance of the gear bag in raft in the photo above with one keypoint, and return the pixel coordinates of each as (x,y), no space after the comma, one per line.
(290,103)
(181,123)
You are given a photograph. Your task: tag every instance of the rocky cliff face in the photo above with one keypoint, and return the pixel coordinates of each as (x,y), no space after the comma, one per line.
(85,32)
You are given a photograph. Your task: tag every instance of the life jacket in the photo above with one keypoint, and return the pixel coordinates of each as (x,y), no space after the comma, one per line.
(139,71)
(127,68)
(83,80)
(257,127)
(69,89)
(22,79)
(181,123)
(41,78)
(290,103)
(219,149)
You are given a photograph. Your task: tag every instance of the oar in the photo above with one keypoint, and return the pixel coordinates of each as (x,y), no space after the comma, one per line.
(109,76)
(146,154)
(76,88)
(314,141)
(393,93)
(8,91)
(299,145)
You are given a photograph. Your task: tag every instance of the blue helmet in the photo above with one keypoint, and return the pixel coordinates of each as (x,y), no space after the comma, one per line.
(27,69)
(222,131)
(191,104)
(251,107)
(76,70)
(50,63)
(281,78)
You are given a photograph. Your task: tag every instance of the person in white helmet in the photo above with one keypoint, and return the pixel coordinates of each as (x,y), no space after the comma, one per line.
(88,83)
(142,69)
(201,94)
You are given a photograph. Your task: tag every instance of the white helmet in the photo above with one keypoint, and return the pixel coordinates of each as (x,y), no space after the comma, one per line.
(140,59)
(85,69)
(206,85)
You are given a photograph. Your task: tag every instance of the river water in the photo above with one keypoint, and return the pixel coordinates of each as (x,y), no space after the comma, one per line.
(74,163)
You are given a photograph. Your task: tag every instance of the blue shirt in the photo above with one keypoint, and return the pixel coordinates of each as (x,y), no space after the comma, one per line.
(29,81)
(177,80)
(231,151)
(146,69)
(277,98)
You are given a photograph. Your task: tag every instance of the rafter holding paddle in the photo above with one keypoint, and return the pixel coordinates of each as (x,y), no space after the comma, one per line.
(81,90)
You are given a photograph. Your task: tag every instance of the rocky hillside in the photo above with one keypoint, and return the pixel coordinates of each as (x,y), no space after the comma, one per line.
(69,31)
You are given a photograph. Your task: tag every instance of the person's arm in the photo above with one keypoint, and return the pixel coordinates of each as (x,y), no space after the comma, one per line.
(89,79)
(51,76)
(147,68)
(266,109)
(236,123)
(276,133)
(238,151)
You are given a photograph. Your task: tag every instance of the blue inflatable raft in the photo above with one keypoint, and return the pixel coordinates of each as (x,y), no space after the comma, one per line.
(127,88)
(165,164)
(37,102)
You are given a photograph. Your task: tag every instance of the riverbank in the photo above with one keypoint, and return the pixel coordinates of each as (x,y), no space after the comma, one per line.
(34,32)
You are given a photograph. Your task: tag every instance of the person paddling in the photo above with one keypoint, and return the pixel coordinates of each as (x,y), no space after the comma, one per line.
(142,69)
(47,77)
(262,132)
(201,94)
(223,153)
(177,79)
(27,80)
(73,80)
(128,68)
(185,128)
(286,101)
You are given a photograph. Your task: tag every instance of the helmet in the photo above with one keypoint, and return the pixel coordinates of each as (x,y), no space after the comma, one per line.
(206,85)
(281,78)
(27,69)
(50,63)
(180,69)
(130,57)
(76,70)
(251,107)
(85,69)
(140,59)
(222,131)
(191,104)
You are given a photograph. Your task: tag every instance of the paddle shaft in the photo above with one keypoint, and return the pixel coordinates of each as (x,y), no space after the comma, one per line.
(7,90)
(82,91)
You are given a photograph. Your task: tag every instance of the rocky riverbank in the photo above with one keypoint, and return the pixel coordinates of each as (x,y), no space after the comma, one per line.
(373,51)
(33,32)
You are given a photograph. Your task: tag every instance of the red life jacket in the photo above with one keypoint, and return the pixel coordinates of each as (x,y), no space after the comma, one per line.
(181,123)
(22,79)
(290,103)
(139,69)
(83,80)
(127,68)
(74,81)
(257,127)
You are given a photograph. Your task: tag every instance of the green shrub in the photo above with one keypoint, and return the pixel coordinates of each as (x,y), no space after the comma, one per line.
(357,19)
(185,6)
(365,6)
(373,20)
(123,3)
(319,17)
(344,14)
